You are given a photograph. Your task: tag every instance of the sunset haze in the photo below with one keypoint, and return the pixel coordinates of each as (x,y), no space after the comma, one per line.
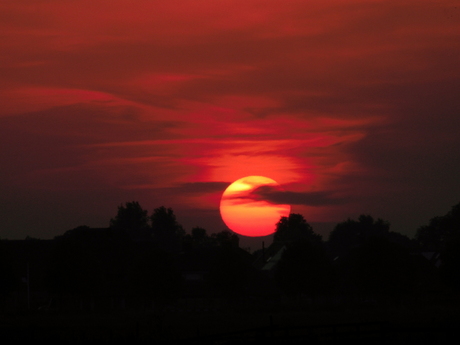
(353,107)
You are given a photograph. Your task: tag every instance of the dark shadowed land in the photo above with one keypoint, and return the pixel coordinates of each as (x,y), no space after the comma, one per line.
(389,325)
(145,279)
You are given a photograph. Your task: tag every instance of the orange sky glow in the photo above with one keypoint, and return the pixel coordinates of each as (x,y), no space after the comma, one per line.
(352,106)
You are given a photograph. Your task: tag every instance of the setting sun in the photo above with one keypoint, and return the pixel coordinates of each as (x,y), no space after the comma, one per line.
(247,212)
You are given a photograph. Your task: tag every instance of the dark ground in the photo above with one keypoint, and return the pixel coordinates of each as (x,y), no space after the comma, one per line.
(432,324)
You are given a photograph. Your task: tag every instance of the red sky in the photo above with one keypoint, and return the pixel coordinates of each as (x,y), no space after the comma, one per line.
(353,106)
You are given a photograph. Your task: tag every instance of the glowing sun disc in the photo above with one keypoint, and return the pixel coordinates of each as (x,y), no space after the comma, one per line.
(246,210)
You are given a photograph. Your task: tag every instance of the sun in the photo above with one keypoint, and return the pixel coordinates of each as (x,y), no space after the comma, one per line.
(247,206)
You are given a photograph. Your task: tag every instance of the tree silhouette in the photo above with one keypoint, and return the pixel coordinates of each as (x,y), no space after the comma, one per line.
(132,219)
(197,239)
(351,233)
(440,230)
(294,228)
(166,230)
(432,237)
(226,238)
(442,235)
(199,234)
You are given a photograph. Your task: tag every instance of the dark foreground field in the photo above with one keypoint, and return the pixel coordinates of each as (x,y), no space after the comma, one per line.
(306,325)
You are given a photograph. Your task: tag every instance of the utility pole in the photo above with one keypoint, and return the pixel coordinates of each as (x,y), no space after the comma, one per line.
(263,251)
(28,287)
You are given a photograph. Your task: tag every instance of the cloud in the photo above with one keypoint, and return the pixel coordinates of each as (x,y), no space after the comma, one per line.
(202,187)
(278,196)
(193,188)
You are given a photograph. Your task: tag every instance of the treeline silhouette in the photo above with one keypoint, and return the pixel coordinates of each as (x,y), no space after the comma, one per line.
(149,262)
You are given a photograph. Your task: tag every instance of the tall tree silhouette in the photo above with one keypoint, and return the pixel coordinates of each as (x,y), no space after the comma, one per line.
(199,234)
(166,230)
(351,233)
(197,239)
(293,228)
(440,230)
(442,234)
(133,219)
(226,238)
